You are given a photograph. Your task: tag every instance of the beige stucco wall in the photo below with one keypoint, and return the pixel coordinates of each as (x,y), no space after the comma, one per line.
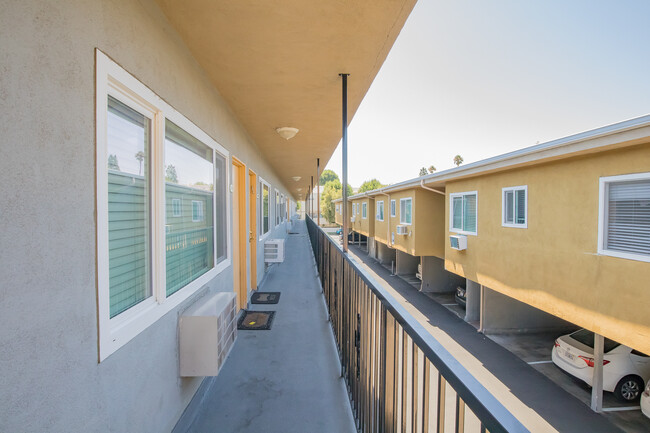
(553,265)
(338,217)
(51,378)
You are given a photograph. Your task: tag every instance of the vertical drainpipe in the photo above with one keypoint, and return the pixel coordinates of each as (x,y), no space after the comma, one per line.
(318,189)
(344,157)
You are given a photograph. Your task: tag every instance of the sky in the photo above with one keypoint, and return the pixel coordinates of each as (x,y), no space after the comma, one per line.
(484,77)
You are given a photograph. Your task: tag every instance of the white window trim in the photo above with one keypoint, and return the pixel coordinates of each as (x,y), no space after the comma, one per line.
(382,208)
(400,211)
(200,211)
(503,207)
(393,208)
(180,214)
(602,215)
(262,235)
(114,333)
(276,211)
(364,210)
(451,213)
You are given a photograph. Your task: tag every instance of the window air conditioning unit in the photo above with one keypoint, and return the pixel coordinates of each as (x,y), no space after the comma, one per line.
(402,230)
(458,242)
(352,219)
(418,275)
(207,333)
(274,251)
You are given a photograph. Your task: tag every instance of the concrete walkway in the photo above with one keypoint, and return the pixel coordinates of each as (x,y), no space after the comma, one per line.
(286,379)
(537,402)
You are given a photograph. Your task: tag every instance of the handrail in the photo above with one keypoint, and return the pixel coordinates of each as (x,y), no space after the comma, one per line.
(342,305)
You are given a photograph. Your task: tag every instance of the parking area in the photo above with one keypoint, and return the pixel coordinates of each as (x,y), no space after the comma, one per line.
(535,349)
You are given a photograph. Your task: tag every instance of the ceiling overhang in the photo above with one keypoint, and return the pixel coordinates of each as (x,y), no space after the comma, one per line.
(278,63)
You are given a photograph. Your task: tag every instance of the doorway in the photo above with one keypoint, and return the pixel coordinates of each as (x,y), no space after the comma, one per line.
(252,233)
(240,237)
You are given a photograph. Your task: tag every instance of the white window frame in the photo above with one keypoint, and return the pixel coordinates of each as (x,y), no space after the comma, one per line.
(380,202)
(451,213)
(263,235)
(364,210)
(115,332)
(393,208)
(513,189)
(180,207)
(277,205)
(201,214)
(400,211)
(602,215)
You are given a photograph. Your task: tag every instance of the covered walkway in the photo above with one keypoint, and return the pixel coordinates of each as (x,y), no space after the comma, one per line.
(286,379)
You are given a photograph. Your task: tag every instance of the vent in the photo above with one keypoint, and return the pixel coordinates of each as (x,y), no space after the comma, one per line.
(207,334)
(402,230)
(458,242)
(274,251)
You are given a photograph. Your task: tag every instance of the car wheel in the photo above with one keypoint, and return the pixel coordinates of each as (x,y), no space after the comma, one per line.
(629,388)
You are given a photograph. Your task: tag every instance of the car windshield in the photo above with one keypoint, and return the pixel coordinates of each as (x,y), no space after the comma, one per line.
(587,338)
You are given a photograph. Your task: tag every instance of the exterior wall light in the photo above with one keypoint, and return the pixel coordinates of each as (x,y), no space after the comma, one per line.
(287,132)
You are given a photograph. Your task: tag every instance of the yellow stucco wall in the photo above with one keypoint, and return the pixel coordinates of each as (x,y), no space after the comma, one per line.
(553,264)
(365,226)
(427,235)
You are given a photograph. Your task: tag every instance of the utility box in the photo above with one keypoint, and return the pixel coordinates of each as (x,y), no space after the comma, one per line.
(207,334)
(274,251)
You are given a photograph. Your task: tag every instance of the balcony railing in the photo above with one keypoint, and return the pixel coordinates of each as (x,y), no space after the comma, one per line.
(399,377)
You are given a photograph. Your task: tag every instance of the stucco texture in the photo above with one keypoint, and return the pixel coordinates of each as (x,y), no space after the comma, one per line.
(554,264)
(50,376)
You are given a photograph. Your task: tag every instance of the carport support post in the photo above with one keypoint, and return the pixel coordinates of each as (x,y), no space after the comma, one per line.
(597,379)
(344,157)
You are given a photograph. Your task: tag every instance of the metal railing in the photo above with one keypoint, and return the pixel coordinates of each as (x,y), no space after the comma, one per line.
(399,377)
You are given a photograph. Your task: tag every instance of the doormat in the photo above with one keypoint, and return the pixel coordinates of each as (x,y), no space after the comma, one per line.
(256,320)
(265,298)
(294,233)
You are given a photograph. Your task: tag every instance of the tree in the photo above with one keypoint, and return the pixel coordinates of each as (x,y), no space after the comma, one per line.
(170,174)
(369,185)
(423,172)
(431,169)
(328,175)
(112,163)
(458,160)
(331,191)
(140,157)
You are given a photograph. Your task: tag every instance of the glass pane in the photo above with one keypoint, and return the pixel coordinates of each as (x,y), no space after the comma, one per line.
(469,213)
(220,206)
(457,213)
(364,210)
(265,209)
(407,214)
(628,220)
(189,176)
(392,208)
(509,207)
(520,209)
(128,145)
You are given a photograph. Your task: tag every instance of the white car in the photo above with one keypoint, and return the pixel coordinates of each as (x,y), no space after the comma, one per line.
(625,371)
(645,401)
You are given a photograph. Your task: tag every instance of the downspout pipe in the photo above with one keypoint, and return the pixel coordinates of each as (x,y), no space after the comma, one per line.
(430,189)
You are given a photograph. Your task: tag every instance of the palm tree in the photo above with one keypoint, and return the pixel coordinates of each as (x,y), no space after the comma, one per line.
(458,160)
(140,157)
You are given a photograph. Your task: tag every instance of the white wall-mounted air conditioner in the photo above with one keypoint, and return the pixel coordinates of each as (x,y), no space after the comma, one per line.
(402,230)
(458,242)
(352,219)
(274,251)
(418,275)
(207,333)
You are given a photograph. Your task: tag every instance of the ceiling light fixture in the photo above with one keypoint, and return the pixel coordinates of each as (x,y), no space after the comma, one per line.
(287,132)
(296,178)
(299,189)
